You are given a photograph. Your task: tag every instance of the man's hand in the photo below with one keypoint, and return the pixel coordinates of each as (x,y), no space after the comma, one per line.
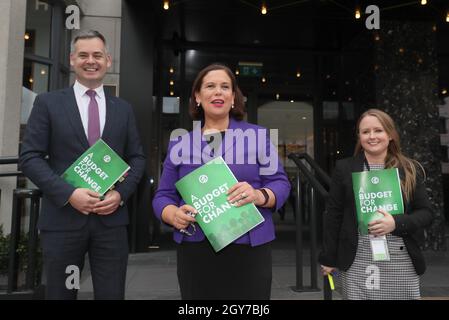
(109,204)
(84,200)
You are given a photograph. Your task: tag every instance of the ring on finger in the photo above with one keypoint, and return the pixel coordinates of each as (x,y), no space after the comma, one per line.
(243,195)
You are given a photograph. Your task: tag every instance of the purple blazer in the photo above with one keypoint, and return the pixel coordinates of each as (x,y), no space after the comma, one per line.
(197,152)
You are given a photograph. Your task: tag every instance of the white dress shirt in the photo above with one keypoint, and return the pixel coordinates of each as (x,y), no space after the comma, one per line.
(82,100)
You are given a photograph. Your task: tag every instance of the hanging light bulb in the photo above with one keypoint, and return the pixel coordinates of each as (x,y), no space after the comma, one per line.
(358,14)
(166,5)
(263,9)
(423,2)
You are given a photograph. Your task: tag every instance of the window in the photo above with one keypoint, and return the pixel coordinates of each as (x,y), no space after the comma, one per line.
(47,47)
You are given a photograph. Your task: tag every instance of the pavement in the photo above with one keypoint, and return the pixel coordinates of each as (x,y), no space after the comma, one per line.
(152,275)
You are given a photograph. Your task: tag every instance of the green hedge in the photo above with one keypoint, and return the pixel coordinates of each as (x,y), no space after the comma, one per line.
(22,250)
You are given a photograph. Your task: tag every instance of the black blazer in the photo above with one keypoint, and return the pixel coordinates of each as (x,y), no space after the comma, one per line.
(55,138)
(340,221)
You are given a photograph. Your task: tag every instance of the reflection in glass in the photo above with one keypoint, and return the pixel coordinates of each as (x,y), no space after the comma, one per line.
(35,76)
(35,81)
(38,25)
(295,124)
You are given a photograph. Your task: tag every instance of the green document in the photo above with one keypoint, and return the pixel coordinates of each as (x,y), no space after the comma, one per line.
(373,190)
(205,189)
(98,169)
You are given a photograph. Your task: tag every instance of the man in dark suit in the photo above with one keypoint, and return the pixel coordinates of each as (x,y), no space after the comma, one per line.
(75,221)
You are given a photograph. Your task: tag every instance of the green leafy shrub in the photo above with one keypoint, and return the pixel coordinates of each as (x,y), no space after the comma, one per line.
(22,251)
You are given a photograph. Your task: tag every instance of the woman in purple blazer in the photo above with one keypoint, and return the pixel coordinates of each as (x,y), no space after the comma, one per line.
(242,270)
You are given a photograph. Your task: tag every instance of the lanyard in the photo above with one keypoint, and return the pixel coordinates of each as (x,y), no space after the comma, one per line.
(366,164)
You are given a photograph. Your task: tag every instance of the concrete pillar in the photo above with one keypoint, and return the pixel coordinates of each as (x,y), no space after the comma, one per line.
(406,88)
(12,20)
(104,16)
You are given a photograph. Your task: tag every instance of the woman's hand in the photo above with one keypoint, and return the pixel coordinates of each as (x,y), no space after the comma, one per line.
(180,219)
(327,270)
(383,225)
(242,193)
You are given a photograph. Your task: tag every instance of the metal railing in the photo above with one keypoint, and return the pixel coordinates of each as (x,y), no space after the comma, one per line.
(308,182)
(20,195)
(9,160)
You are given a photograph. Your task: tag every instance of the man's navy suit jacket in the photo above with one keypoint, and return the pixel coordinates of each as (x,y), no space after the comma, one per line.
(55,138)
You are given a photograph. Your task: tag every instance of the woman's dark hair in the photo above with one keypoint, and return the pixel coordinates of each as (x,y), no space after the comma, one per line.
(197,113)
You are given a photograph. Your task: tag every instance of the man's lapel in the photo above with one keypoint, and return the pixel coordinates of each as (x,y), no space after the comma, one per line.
(73,114)
(110,117)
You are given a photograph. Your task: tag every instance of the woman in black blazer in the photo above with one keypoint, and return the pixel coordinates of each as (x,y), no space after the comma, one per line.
(345,249)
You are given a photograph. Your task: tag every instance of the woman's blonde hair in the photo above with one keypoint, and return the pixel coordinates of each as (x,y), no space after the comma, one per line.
(394,158)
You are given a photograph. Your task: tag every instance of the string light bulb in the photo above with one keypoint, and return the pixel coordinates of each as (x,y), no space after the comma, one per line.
(172,83)
(423,2)
(264,9)
(172,70)
(237,72)
(27,36)
(358,13)
(166,5)
(264,79)
(298,74)
(447,17)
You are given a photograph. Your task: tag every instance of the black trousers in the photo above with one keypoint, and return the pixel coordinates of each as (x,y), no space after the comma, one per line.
(236,272)
(64,251)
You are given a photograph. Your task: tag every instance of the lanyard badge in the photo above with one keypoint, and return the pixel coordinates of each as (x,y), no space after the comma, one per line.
(379,248)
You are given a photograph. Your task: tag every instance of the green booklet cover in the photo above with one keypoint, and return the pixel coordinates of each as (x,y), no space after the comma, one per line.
(373,190)
(205,189)
(98,169)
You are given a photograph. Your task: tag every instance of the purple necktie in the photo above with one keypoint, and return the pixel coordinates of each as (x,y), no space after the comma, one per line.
(93,123)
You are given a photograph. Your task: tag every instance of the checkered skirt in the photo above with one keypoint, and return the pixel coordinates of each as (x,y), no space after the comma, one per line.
(380,280)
